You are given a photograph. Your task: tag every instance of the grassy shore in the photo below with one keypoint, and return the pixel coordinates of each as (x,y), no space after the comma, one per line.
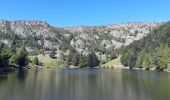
(116,64)
(47,62)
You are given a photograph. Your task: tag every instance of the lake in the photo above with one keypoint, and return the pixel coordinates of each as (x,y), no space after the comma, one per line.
(85,84)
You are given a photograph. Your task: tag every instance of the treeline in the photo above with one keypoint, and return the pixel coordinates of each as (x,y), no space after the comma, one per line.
(76,59)
(153,51)
(10,57)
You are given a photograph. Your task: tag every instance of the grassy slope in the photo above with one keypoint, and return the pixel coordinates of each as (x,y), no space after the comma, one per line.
(113,64)
(47,61)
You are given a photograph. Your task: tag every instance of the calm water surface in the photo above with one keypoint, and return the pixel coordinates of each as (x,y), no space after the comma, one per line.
(85,84)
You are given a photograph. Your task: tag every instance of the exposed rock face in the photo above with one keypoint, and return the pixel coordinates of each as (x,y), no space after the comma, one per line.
(80,37)
(26,27)
(43,32)
(111,35)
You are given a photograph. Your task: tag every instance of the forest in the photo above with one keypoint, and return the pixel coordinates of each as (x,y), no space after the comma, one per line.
(153,51)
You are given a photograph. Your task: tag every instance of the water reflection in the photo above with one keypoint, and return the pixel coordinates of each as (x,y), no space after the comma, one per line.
(85,84)
(21,74)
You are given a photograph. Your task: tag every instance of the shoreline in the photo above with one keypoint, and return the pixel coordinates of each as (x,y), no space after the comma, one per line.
(11,69)
(7,70)
(154,69)
(139,69)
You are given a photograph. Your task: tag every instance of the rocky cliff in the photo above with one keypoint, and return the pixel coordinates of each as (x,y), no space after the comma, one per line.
(107,36)
(38,35)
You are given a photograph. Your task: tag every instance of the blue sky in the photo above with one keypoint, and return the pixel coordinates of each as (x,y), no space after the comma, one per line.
(64,13)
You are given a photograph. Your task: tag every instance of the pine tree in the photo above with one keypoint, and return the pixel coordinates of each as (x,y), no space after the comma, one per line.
(82,61)
(69,58)
(4,58)
(13,60)
(36,61)
(125,56)
(163,56)
(146,61)
(52,54)
(139,62)
(22,57)
(92,60)
(75,60)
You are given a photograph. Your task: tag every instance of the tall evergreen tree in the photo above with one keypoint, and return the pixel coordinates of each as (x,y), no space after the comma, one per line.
(75,60)
(4,58)
(139,62)
(146,61)
(36,61)
(52,54)
(92,60)
(22,57)
(82,61)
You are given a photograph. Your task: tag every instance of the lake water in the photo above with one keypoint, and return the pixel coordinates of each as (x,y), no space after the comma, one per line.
(85,84)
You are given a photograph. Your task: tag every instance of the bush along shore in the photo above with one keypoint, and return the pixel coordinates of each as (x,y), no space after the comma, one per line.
(153,69)
(7,70)
(136,68)
(12,59)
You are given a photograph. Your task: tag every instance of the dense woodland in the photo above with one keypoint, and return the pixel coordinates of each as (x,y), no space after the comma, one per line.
(153,51)
(11,57)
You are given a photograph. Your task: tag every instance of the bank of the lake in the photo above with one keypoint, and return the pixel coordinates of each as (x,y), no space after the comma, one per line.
(116,64)
(46,61)
(6,70)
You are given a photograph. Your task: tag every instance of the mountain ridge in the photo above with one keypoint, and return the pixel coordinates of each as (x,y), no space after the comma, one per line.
(41,35)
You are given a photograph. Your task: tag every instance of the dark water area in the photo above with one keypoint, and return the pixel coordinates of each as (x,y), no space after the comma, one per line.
(85,84)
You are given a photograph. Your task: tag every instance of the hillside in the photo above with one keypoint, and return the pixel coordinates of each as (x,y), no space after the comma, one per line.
(115,63)
(40,37)
(152,51)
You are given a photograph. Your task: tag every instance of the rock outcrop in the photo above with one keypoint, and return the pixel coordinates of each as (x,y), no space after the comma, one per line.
(80,37)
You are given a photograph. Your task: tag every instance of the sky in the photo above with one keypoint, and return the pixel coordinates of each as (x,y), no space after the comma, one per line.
(66,13)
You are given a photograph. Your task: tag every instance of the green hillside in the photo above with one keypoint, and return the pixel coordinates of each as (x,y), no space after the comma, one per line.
(151,51)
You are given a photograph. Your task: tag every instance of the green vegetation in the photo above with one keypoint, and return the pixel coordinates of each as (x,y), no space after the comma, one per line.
(80,60)
(52,54)
(92,60)
(9,58)
(36,61)
(29,40)
(5,55)
(152,51)
(22,58)
(115,63)
(46,61)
